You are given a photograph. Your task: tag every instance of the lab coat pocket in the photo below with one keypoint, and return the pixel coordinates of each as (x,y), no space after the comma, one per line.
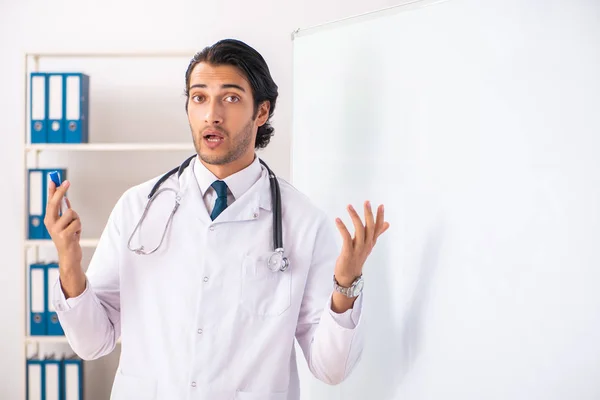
(264,293)
(261,396)
(132,387)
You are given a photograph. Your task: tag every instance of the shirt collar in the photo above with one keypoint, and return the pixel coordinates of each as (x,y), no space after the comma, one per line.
(237,183)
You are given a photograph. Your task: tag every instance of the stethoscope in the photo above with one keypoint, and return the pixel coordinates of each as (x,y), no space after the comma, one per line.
(276,262)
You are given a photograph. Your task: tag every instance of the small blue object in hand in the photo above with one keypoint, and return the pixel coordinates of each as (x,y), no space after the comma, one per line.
(55,176)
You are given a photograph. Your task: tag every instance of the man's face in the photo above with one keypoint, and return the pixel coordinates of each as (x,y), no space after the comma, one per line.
(220,113)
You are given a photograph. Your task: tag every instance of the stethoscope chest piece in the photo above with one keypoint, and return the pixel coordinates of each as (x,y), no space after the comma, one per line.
(277,261)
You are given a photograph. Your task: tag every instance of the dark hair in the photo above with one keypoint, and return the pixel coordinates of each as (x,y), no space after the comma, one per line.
(253,66)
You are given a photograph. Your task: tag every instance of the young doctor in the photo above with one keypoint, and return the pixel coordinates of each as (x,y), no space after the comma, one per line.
(203,301)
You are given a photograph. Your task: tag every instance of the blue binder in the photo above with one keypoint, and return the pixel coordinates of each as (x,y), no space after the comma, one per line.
(38,107)
(73,378)
(37,299)
(53,327)
(36,195)
(56,108)
(53,379)
(77,102)
(35,378)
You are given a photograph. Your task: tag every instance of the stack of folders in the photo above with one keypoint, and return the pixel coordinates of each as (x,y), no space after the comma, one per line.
(42,314)
(54,379)
(59,107)
(37,196)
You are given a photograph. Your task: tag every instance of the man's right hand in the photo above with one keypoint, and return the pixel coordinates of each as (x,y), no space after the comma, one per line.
(65,231)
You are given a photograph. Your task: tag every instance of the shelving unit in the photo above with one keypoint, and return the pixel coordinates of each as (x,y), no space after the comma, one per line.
(31,159)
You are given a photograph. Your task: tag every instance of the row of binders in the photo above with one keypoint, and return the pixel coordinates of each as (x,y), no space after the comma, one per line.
(54,379)
(37,195)
(59,107)
(42,314)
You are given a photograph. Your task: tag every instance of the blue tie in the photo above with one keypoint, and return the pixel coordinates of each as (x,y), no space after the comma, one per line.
(221,203)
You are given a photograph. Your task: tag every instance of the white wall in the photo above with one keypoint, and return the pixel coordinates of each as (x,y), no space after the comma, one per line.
(110,25)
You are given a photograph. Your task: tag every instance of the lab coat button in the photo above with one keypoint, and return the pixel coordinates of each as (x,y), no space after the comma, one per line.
(212,228)
(199,331)
(255,215)
(206,279)
(193,384)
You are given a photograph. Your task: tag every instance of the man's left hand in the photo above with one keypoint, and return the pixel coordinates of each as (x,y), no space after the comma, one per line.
(355,250)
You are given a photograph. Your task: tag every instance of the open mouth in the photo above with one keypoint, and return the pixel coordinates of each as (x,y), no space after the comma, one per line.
(213,138)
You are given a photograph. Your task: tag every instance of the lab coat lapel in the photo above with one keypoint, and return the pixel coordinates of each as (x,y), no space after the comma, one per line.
(191,198)
(249,205)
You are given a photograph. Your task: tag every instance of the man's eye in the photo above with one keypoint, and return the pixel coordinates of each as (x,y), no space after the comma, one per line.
(197,98)
(232,99)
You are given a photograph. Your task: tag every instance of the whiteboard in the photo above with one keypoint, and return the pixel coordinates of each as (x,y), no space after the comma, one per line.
(477,124)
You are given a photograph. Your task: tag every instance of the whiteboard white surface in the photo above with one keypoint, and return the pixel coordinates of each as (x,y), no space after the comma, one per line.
(477,124)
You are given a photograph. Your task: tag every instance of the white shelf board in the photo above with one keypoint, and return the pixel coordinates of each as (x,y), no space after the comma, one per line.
(50,243)
(132,54)
(48,339)
(45,339)
(110,147)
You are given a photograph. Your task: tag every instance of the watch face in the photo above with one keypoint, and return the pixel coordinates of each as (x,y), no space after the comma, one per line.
(359,287)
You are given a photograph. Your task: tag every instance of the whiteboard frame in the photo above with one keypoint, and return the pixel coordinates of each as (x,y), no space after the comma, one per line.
(406,6)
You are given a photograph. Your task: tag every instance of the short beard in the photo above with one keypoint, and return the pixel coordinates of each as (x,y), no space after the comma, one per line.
(243,141)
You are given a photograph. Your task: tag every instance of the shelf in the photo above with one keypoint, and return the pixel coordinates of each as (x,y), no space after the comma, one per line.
(110,147)
(49,339)
(140,54)
(50,243)
(45,339)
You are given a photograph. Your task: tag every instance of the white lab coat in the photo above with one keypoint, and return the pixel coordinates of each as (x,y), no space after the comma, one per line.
(203,317)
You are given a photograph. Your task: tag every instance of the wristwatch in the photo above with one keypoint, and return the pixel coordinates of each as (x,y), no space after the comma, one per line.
(353,291)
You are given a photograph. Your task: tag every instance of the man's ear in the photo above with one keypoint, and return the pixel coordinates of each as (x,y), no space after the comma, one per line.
(263,113)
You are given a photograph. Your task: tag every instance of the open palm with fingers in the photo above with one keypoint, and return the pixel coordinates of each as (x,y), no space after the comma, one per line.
(356,250)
